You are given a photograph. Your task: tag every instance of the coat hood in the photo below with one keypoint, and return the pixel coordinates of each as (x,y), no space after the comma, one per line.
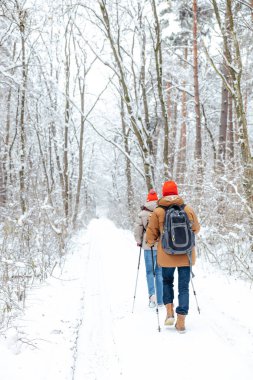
(150,205)
(170,200)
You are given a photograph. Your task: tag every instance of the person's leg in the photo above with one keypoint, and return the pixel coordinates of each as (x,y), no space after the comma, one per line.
(149,272)
(168,285)
(168,294)
(183,297)
(183,290)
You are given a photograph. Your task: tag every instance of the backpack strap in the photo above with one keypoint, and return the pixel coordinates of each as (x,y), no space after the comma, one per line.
(145,209)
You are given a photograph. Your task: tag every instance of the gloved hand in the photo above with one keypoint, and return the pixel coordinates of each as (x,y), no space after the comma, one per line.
(139,245)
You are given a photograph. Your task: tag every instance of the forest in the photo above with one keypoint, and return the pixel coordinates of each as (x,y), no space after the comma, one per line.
(102,100)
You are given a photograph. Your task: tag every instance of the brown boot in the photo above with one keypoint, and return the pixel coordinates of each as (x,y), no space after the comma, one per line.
(169,321)
(180,324)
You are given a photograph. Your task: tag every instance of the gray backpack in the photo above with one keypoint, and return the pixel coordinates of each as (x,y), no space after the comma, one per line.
(177,237)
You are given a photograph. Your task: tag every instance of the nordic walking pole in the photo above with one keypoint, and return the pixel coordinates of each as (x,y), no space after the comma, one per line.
(191,277)
(157,312)
(195,295)
(136,279)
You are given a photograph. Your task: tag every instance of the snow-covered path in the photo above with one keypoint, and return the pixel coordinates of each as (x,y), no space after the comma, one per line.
(83,327)
(116,344)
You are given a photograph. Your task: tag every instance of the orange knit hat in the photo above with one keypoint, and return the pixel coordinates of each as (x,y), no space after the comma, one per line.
(170,188)
(152,196)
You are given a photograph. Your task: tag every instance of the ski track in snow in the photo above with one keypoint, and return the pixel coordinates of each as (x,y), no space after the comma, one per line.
(96,352)
(83,327)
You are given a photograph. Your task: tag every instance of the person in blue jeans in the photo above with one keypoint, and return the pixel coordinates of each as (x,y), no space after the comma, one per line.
(140,237)
(169,262)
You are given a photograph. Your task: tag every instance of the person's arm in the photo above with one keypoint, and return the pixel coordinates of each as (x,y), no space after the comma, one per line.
(153,231)
(193,219)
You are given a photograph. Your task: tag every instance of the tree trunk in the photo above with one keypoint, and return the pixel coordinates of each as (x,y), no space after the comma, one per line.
(66,125)
(159,75)
(130,189)
(6,147)
(223,124)
(181,160)
(22,113)
(230,151)
(81,143)
(171,111)
(43,160)
(149,136)
(240,111)
(198,141)
(2,187)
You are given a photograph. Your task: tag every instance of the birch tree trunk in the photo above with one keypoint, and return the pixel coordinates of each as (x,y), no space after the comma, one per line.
(22,23)
(66,125)
(130,189)
(81,85)
(6,147)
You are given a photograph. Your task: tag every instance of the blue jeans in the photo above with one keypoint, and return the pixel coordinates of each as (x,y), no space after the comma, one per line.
(183,288)
(150,276)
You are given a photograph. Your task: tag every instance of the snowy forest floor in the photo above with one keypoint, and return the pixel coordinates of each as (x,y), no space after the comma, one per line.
(79,324)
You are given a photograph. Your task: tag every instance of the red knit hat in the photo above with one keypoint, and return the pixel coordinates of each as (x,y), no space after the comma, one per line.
(170,188)
(152,196)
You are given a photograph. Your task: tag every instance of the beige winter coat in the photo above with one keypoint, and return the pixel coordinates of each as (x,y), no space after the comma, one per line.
(155,229)
(142,222)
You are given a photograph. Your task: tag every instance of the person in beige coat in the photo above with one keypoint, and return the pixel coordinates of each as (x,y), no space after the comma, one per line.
(140,237)
(170,262)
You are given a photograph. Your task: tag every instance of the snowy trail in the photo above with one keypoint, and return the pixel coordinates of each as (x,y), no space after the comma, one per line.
(80,325)
(116,344)
(97,353)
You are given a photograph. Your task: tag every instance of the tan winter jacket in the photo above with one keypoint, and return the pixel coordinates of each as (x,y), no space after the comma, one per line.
(142,222)
(155,229)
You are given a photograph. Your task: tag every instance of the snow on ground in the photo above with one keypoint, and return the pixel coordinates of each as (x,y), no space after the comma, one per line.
(79,325)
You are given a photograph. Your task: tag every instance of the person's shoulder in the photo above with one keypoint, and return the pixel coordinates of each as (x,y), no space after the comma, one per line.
(189,208)
(159,210)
